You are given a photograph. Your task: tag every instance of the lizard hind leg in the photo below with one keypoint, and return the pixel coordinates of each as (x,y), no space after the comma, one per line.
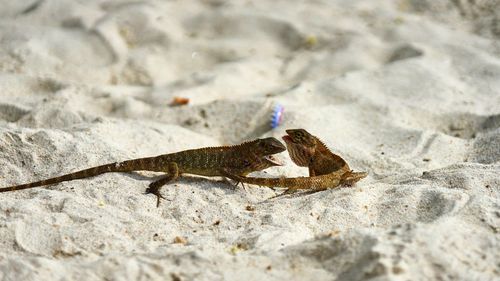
(290,191)
(236,178)
(286,192)
(154,187)
(237,183)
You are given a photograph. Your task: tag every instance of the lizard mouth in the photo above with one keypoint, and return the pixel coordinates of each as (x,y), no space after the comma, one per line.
(287,139)
(273,160)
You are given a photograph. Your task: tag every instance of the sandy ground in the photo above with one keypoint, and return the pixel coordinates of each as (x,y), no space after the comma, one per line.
(408,91)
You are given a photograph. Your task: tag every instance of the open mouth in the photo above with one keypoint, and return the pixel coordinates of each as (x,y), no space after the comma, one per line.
(287,139)
(273,160)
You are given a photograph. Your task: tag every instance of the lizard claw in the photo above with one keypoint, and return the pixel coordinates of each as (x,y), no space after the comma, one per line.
(155,190)
(234,184)
(286,192)
(237,182)
(289,191)
(158,198)
(244,187)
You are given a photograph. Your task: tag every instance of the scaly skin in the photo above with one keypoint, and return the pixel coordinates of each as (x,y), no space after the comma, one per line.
(238,160)
(326,169)
(315,183)
(307,150)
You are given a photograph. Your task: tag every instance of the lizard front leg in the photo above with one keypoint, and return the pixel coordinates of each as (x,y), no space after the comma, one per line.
(154,187)
(230,175)
(312,173)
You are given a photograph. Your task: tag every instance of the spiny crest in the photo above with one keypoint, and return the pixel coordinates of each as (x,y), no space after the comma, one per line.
(323,152)
(321,145)
(232,145)
(262,146)
(245,143)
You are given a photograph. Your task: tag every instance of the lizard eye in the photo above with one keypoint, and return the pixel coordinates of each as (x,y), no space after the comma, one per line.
(264,146)
(246,163)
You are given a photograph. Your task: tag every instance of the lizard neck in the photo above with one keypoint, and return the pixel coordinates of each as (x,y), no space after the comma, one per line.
(325,161)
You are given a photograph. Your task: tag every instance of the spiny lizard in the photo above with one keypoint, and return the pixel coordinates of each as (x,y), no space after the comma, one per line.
(315,183)
(237,160)
(309,151)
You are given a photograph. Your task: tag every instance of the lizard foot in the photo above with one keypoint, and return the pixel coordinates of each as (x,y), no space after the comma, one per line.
(234,178)
(236,183)
(155,190)
(154,187)
(242,185)
(287,192)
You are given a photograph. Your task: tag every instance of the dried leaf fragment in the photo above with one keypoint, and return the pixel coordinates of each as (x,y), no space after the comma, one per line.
(178,101)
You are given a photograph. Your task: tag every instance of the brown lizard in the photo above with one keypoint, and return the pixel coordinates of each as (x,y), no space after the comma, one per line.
(307,150)
(315,183)
(237,160)
(326,169)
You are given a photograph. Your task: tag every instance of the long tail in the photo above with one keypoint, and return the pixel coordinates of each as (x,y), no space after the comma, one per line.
(313,183)
(125,166)
(350,178)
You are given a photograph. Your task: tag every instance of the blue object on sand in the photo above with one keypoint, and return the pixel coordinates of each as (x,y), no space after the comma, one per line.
(277,116)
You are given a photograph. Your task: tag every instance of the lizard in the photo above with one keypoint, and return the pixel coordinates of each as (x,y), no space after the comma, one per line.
(326,169)
(239,160)
(307,150)
(314,183)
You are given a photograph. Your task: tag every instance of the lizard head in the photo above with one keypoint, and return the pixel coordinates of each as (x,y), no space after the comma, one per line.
(350,178)
(264,150)
(252,156)
(301,146)
(256,155)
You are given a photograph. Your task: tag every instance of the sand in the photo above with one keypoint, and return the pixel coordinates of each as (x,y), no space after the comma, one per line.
(407,91)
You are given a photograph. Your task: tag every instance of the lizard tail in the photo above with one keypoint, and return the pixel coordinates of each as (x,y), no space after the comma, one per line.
(125,166)
(316,182)
(350,177)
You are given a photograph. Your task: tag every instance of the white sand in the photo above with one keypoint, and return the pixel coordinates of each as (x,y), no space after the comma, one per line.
(408,91)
